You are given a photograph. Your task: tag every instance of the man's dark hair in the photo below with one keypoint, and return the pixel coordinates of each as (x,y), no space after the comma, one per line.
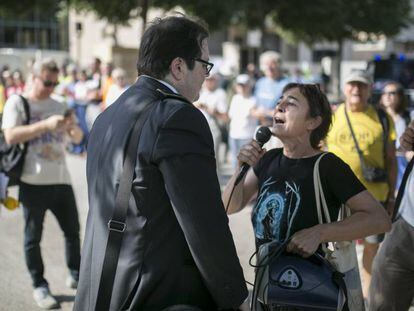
(318,107)
(166,39)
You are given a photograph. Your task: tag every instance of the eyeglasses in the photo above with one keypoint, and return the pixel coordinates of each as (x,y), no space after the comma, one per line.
(48,83)
(207,65)
(392,93)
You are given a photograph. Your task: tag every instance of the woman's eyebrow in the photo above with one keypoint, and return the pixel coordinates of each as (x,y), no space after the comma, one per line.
(292,97)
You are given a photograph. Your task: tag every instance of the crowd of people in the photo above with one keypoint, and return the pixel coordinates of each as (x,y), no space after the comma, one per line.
(363,166)
(87,91)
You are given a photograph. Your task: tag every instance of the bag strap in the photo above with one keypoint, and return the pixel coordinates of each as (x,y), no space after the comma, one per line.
(337,277)
(360,154)
(320,199)
(26,109)
(382,116)
(401,190)
(117,224)
(319,195)
(27,122)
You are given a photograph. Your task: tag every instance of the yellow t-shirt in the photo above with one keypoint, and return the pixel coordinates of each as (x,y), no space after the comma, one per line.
(369,134)
(2,98)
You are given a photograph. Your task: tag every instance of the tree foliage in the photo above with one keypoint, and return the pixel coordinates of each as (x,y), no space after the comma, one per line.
(23,8)
(309,21)
(217,14)
(336,20)
(115,12)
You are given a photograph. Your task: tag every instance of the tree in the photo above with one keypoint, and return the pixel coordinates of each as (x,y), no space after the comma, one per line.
(215,13)
(338,20)
(114,12)
(24,7)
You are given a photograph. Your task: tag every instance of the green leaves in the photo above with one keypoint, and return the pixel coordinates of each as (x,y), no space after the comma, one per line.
(335,20)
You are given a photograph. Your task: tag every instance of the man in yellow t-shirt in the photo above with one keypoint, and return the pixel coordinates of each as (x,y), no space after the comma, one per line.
(369,132)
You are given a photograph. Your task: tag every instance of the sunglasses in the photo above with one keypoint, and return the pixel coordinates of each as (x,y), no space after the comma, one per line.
(207,65)
(48,83)
(392,93)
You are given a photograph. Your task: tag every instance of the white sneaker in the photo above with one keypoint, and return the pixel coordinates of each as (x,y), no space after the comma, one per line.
(44,298)
(71,282)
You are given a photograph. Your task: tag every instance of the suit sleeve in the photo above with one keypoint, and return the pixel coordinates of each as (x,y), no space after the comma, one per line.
(185,155)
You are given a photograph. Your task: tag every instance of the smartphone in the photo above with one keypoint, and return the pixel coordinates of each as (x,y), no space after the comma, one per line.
(68,113)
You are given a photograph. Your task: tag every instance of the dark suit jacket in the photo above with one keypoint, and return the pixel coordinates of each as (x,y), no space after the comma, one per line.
(177,248)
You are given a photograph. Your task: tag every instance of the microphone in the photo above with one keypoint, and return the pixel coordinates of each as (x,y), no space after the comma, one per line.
(262,136)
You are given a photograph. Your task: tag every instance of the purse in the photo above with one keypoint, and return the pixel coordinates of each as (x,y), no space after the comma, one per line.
(285,280)
(341,254)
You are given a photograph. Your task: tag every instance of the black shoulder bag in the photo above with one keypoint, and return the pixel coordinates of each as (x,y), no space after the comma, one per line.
(370,173)
(12,156)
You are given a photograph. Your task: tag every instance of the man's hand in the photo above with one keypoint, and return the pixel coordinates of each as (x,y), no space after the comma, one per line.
(250,153)
(54,123)
(306,242)
(390,206)
(407,138)
(200,105)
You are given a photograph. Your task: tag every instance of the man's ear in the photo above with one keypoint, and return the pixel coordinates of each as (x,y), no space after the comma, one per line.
(177,68)
(313,123)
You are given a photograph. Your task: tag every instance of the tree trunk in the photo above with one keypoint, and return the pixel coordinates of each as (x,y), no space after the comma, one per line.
(144,12)
(262,39)
(115,35)
(338,69)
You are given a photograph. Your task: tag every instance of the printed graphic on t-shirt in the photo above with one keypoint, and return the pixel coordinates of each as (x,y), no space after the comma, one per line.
(48,146)
(364,136)
(275,210)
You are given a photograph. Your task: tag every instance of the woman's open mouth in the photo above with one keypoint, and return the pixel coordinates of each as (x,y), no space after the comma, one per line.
(278,121)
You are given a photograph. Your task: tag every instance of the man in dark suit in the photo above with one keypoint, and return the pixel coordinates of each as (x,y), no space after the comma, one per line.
(177,248)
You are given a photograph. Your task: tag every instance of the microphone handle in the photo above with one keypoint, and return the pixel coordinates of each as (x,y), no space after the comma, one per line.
(244,168)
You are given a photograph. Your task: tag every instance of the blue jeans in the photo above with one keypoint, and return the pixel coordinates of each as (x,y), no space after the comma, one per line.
(80,112)
(401,164)
(60,200)
(235,146)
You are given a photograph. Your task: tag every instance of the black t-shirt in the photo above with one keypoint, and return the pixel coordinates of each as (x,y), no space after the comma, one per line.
(286,198)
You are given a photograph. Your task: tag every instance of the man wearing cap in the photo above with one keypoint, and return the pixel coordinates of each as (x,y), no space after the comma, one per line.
(375,135)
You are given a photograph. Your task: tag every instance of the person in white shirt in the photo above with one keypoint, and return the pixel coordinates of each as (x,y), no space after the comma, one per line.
(118,87)
(45,182)
(243,120)
(392,284)
(213,105)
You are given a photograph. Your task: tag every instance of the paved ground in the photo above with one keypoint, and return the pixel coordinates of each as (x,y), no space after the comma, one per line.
(15,287)
(15,283)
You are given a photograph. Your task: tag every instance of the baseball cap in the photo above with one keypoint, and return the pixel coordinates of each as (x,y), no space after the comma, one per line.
(359,76)
(242,79)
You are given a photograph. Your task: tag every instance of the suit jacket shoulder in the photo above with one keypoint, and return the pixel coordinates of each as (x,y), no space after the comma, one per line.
(185,130)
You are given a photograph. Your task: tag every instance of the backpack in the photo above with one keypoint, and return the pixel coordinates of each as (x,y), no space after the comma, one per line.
(12,156)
